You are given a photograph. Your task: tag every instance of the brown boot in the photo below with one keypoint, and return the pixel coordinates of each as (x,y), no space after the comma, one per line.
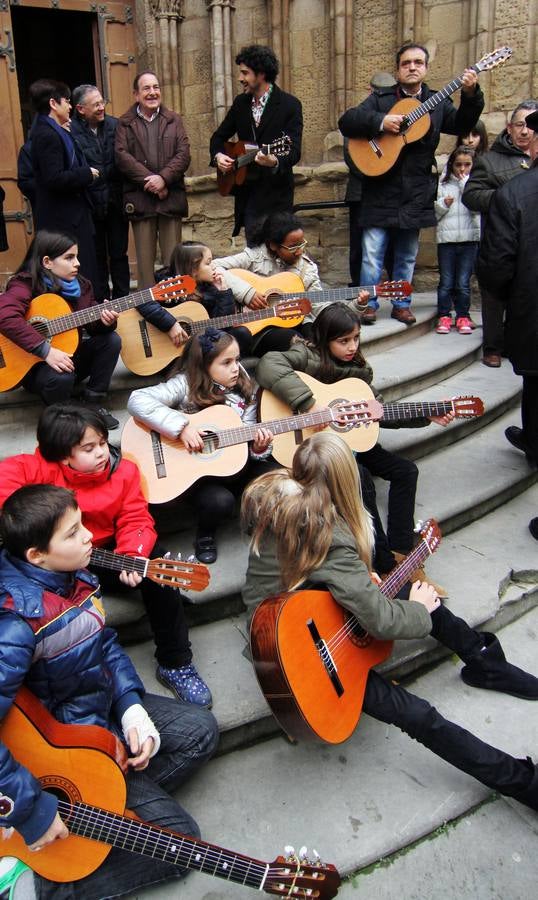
(420,575)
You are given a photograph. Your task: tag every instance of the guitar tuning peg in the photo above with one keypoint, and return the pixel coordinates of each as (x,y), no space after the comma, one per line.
(418,526)
(303,852)
(178,555)
(316,855)
(289,850)
(167,555)
(191,558)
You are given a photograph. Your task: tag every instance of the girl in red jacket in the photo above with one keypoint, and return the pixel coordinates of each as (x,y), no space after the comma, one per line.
(73,453)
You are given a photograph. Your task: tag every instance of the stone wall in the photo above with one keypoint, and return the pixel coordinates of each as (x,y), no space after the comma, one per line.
(328,50)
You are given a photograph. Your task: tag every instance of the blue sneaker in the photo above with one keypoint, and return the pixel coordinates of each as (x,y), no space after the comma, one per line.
(186,684)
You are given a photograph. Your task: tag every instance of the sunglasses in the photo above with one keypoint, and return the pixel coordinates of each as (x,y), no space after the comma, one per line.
(300,246)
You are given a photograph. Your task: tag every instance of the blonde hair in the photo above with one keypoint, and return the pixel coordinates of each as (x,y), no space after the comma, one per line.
(301,508)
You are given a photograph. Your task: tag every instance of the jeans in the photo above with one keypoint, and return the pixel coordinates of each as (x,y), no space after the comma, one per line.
(456,263)
(165,611)
(374,247)
(95,359)
(391,703)
(403,476)
(189,736)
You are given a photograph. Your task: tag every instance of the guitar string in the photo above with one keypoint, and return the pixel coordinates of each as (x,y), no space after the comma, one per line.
(94,818)
(176,571)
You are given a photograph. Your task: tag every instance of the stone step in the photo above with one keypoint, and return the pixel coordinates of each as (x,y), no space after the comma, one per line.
(379,791)
(490,580)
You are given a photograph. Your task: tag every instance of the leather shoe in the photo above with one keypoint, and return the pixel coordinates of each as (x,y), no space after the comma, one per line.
(491,670)
(369,316)
(205,549)
(493,360)
(403,314)
(514,436)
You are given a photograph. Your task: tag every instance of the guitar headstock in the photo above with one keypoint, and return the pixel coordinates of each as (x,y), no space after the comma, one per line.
(495,58)
(290,309)
(177,573)
(296,876)
(176,288)
(279,147)
(467,407)
(393,289)
(431,534)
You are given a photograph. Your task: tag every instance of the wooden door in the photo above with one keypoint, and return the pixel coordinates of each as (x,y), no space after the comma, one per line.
(113,67)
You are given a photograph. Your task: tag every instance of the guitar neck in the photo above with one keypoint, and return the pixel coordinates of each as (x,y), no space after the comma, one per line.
(254,315)
(400,411)
(118,562)
(250,155)
(331,294)
(82,317)
(398,577)
(231,436)
(432,102)
(148,840)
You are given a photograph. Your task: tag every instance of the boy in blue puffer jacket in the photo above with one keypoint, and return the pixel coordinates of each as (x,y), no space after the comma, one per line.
(56,643)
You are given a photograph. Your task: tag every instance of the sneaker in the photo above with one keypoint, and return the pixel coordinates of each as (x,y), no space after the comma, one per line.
(186,684)
(109,420)
(444,325)
(464,326)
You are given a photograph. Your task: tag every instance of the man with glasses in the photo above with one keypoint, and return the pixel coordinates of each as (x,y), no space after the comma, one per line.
(509,156)
(95,132)
(396,205)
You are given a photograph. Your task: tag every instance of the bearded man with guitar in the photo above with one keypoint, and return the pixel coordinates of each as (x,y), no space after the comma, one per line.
(262,114)
(399,203)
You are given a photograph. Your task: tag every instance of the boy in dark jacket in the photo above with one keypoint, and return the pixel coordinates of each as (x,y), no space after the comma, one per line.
(54,640)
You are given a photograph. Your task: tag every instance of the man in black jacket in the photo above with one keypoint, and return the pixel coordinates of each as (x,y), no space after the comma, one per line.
(508,266)
(94,132)
(260,115)
(399,203)
(509,156)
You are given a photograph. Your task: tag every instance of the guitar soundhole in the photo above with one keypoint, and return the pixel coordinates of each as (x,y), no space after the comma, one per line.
(63,789)
(359,636)
(211,443)
(339,426)
(40,324)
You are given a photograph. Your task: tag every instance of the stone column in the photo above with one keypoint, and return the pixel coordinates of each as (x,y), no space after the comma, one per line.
(220,22)
(279,15)
(341,57)
(168,15)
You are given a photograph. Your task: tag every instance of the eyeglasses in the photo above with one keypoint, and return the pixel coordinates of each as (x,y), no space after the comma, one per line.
(295,247)
(520,125)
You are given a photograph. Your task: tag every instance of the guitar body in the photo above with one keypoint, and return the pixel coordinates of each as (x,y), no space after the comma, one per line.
(358,438)
(48,748)
(289,668)
(375,156)
(145,349)
(167,469)
(15,362)
(273,286)
(226,181)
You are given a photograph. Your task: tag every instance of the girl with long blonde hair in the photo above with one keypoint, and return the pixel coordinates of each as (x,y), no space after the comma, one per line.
(309,529)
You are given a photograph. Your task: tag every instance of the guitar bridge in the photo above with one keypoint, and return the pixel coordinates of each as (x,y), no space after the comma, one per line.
(325,657)
(144,337)
(158,454)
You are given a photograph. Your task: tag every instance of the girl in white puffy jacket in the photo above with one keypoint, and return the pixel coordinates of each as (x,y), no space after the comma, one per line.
(458,237)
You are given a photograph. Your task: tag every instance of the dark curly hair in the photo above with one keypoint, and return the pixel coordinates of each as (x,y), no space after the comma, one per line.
(259,59)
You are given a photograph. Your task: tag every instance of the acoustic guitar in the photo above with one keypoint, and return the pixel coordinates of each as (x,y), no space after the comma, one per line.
(53,318)
(312,657)
(369,412)
(167,468)
(244,153)
(176,573)
(377,155)
(146,350)
(84,767)
(287,286)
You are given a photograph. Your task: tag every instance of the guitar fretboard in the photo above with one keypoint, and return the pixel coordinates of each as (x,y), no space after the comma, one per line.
(100,825)
(398,411)
(331,294)
(82,317)
(228,437)
(118,562)
(255,315)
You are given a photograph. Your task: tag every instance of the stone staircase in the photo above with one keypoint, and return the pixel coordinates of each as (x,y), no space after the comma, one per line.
(363,802)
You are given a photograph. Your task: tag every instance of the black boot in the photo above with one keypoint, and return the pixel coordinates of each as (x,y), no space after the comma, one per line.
(489,669)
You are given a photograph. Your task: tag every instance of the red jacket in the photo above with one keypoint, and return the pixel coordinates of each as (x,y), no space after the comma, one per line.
(112,504)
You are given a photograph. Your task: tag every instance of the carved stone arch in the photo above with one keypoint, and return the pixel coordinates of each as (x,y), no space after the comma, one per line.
(168,15)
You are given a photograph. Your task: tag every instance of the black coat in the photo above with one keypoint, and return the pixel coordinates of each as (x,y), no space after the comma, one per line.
(98,152)
(62,202)
(404,196)
(508,265)
(491,170)
(272,190)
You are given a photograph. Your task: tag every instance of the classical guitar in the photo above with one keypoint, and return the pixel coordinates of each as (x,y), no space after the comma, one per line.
(167,468)
(53,318)
(376,155)
(369,412)
(287,285)
(176,573)
(146,350)
(84,767)
(312,657)
(244,153)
